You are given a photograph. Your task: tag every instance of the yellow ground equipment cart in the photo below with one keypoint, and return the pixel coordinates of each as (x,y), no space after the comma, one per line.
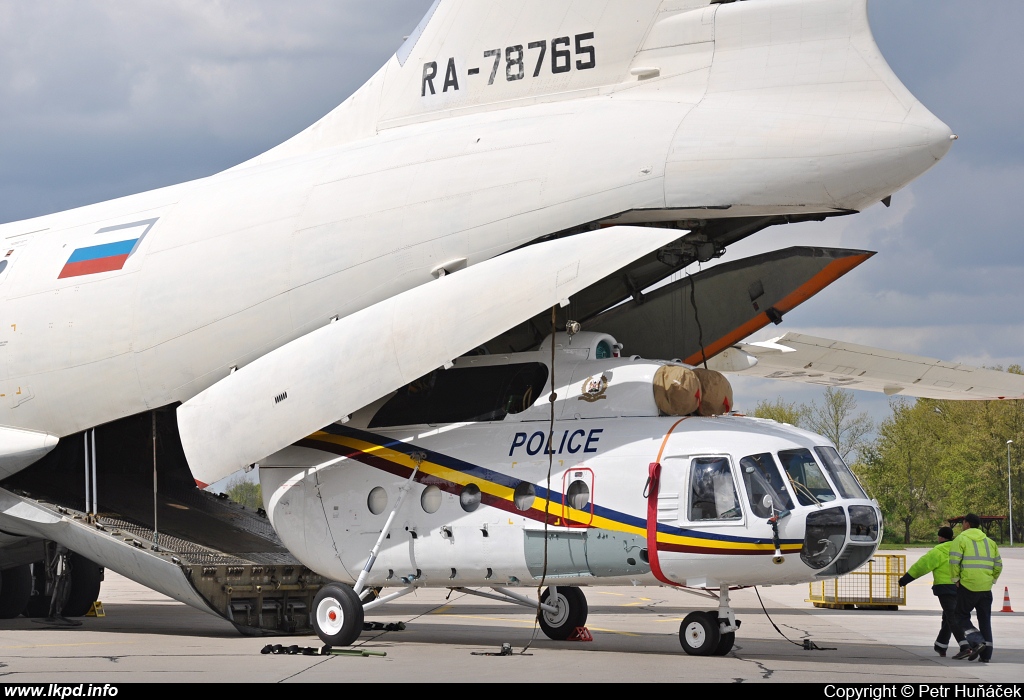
(874,585)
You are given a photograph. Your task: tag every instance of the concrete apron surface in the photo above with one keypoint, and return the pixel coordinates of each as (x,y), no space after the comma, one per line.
(146,637)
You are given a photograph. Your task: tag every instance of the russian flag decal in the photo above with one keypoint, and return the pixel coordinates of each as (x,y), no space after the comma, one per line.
(108,255)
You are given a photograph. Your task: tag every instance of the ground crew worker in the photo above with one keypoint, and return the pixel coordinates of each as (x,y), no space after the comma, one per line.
(974,565)
(936,561)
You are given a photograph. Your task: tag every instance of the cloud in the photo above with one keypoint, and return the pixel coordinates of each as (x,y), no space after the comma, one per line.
(102,99)
(963,61)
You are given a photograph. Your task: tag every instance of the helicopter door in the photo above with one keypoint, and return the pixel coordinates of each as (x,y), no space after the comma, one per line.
(671,489)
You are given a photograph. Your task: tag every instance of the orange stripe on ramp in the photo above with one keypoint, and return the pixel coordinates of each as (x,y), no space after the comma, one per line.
(833,271)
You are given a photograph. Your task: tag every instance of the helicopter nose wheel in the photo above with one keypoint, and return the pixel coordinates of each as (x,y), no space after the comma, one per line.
(700,635)
(337,615)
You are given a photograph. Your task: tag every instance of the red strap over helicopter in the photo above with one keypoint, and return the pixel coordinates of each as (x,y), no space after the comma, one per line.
(653,487)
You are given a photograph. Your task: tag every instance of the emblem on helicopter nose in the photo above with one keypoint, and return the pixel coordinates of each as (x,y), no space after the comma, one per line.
(593,389)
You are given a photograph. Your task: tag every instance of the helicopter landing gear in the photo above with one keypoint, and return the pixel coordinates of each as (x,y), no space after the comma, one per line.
(570,612)
(698,634)
(562,608)
(725,641)
(712,632)
(337,615)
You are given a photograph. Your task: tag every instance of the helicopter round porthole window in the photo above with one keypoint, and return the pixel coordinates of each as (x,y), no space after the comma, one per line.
(524,495)
(470,498)
(377,501)
(430,499)
(578,495)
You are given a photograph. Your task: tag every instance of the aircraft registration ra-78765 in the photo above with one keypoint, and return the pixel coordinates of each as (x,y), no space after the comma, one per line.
(506,161)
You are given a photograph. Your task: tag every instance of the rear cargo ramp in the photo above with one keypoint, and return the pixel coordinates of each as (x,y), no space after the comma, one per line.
(250,579)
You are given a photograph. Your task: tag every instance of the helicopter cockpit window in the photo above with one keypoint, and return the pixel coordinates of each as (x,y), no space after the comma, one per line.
(841,475)
(762,479)
(806,478)
(712,490)
(464,394)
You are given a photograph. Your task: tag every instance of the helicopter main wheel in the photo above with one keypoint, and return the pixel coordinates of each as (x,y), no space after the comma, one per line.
(571,612)
(337,615)
(699,634)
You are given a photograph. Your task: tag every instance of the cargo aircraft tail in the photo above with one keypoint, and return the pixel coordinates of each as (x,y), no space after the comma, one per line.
(797,86)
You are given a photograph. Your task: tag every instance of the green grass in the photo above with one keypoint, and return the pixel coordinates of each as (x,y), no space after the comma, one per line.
(929,545)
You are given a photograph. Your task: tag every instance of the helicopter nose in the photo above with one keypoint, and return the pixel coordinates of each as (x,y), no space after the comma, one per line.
(839,539)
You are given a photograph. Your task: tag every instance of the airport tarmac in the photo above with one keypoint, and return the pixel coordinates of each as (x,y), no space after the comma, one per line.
(146,637)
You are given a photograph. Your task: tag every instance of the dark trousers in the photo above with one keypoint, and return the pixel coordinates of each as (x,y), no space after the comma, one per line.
(981,603)
(948,602)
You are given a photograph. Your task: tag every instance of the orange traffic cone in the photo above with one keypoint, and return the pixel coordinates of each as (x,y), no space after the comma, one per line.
(1006,600)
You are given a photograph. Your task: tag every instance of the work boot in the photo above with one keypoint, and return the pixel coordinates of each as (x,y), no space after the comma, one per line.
(965,651)
(976,651)
(939,650)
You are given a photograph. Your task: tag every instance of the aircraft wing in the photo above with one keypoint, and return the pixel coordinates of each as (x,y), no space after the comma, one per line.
(323,376)
(803,358)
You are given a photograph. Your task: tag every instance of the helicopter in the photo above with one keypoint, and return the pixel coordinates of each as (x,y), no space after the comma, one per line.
(567,466)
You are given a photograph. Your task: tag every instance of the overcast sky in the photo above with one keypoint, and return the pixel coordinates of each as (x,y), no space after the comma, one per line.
(103,99)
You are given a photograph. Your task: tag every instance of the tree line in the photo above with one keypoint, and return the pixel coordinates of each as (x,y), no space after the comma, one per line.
(243,490)
(926,462)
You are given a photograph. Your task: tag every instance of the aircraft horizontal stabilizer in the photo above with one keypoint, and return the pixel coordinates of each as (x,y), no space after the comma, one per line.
(335,370)
(803,358)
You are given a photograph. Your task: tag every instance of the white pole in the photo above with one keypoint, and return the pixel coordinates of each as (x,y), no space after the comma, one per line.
(95,505)
(1009,492)
(156,530)
(88,485)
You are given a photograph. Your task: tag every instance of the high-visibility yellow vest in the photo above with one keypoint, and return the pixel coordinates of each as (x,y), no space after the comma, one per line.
(935,561)
(974,561)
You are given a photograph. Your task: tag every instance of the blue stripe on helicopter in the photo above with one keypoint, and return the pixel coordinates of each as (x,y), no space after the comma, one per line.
(489,475)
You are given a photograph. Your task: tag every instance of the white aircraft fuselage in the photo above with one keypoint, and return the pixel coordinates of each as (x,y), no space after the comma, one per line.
(489,130)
